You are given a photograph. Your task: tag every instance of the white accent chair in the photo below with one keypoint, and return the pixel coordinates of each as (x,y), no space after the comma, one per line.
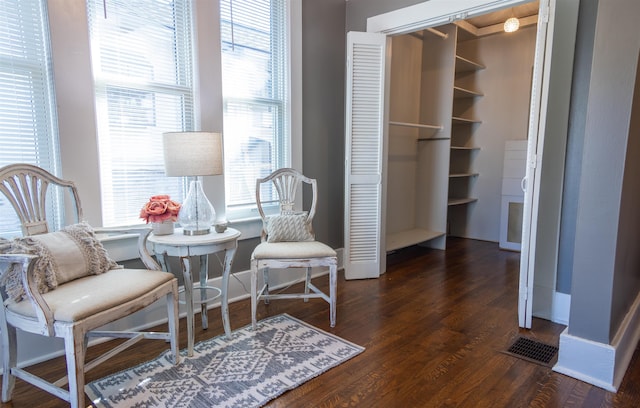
(288,241)
(76,305)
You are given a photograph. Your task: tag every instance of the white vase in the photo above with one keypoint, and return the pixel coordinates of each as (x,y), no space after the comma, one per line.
(162,228)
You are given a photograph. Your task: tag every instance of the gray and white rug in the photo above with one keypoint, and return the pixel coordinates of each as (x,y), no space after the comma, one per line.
(247,371)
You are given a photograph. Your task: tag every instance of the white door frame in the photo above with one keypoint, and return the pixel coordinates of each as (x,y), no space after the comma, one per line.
(438,12)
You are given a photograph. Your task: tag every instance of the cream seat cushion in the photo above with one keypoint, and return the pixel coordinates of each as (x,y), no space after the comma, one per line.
(292,250)
(93,294)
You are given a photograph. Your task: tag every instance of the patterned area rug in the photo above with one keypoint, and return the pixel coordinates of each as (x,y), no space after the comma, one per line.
(247,371)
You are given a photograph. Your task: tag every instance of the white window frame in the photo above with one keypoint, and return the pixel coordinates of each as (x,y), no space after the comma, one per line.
(32,66)
(157,90)
(76,105)
(247,218)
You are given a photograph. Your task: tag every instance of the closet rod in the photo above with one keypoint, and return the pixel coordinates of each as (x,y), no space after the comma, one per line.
(436,32)
(415,125)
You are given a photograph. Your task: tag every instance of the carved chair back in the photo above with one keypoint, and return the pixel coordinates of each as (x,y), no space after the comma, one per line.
(26,187)
(286,182)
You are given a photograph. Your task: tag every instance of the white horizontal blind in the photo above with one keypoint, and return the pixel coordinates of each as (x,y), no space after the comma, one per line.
(142,64)
(28,123)
(255,88)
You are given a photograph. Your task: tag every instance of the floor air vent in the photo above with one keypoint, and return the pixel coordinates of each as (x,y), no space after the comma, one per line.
(533,350)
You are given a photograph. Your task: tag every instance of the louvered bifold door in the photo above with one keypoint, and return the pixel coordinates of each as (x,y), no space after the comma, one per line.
(365,84)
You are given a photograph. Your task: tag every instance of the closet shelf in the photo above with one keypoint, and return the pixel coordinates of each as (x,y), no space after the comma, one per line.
(459,175)
(466,65)
(410,237)
(460,201)
(462,121)
(460,93)
(464,148)
(428,139)
(416,125)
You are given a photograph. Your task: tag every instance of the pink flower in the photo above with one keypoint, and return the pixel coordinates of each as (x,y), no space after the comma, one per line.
(160,208)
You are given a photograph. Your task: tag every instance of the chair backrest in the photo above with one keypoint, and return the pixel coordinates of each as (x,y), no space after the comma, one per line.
(26,187)
(286,182)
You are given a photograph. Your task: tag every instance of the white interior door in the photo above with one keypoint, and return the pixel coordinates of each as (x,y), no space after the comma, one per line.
(550,105)
(537,120)
(364,154)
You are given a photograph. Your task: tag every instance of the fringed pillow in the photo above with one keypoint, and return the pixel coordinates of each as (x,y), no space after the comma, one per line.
(288,228)
(65,255)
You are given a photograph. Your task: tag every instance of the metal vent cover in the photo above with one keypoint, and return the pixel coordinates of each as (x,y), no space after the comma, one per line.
(533,350)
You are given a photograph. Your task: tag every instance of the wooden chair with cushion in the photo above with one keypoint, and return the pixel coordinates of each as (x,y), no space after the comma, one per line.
(288,241)
(63,284)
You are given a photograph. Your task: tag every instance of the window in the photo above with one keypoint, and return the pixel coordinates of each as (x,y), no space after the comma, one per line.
(255,93)
(142,64)
(28,123)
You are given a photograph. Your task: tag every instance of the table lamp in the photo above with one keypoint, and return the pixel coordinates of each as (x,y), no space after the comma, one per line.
(194,154)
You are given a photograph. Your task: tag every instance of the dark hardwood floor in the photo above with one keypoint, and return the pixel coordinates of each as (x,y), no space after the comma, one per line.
(435,328)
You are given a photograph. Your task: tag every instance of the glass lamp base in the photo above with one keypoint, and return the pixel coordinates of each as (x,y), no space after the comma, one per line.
(196,232)
(196,214)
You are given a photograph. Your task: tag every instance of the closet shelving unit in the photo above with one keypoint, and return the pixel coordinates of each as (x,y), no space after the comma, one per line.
(419,112)
(410,237)
(413,236)
(462,154)
(459,93)
(458,120)
(436,128)
(416,125)
(464,65)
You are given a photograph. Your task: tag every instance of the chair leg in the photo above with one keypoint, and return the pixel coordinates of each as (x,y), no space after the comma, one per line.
(254,293)
(74,350)
(9,350)
(265,278)
(172,315)
(306,283)
(333,281)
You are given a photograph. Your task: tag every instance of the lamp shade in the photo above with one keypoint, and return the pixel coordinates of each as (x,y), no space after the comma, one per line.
(192,153)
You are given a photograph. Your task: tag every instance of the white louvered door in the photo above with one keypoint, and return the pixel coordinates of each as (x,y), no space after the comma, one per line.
(364,155)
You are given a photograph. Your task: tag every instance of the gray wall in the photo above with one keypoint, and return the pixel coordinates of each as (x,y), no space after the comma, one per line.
(575,140)
(606,265)
(626,281)
(323,56)
(359,10)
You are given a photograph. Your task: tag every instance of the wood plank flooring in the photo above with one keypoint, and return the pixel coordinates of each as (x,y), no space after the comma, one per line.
(435,328)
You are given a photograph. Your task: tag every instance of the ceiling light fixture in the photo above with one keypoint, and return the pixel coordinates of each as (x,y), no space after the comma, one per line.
(512,24)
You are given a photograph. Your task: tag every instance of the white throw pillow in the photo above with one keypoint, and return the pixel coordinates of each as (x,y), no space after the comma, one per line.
(288,228)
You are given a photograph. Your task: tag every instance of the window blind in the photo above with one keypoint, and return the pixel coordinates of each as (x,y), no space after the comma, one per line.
(142,63)
(255,91)
(28,123)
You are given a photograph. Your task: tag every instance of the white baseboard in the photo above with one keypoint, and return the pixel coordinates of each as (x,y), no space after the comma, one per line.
(36,349)
(586,360)
(602,365)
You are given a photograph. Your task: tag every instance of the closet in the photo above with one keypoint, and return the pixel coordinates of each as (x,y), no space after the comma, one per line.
(455,99)
(428,117)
